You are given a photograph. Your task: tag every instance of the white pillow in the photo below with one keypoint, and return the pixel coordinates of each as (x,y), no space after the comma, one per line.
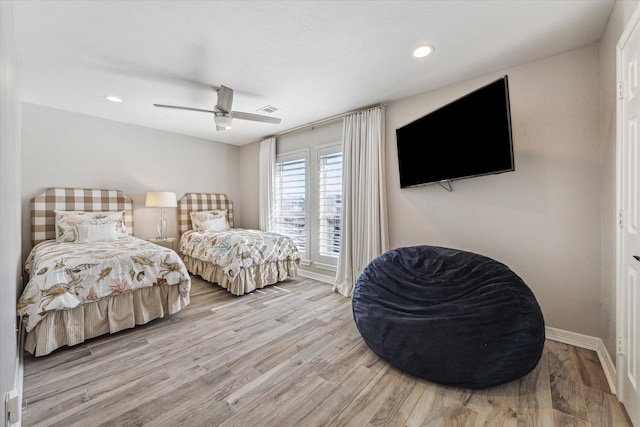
(96,232)
(216,224)
(199,218)
(66,222)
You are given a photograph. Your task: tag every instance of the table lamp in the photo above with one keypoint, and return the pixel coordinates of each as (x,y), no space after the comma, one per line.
(161,199)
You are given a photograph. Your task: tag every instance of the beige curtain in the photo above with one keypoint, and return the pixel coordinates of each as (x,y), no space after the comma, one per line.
(267,170)
(364,211)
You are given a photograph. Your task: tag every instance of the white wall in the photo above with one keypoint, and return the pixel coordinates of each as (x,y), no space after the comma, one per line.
(543,220)
(620,15)
(10,261)
(63,149)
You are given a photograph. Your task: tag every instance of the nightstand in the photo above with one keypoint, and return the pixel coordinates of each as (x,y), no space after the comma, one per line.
(169,242)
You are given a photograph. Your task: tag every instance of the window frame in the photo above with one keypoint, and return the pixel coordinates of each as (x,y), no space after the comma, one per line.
(312,155)
(325,262)
(292,156)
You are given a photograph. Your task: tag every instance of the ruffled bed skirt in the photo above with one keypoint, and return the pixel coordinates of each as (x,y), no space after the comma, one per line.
(249,279)
(109,315)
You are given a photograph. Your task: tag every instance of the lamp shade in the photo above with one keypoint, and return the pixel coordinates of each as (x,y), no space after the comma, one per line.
(161,199)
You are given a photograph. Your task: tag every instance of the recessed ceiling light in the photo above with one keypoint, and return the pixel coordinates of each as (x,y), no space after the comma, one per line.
(113,98)
(423,51)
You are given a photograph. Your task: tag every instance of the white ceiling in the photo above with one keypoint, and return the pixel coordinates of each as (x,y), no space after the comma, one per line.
(311,59)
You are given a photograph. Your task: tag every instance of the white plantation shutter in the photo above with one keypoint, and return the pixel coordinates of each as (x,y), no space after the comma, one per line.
(329,202)
(290,217)
(308,202)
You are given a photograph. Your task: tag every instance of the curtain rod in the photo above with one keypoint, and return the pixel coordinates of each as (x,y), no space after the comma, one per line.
(324,121)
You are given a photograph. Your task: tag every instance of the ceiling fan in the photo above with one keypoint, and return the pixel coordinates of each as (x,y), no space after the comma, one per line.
(222,114)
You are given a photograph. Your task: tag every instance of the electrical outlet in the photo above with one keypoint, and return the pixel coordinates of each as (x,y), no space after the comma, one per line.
(12,407)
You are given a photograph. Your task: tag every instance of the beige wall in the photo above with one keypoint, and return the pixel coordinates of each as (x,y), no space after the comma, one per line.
(10,261)
(620,15)
(543,220)
(63,149)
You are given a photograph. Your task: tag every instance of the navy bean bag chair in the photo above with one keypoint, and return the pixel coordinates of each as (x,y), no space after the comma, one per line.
(449,316)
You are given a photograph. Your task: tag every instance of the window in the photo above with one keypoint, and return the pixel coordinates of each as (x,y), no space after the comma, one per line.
(308,202)
(290,198)
(329,201)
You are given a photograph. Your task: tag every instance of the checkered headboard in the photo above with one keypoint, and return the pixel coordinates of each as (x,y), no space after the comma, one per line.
(195,202)
(43,218)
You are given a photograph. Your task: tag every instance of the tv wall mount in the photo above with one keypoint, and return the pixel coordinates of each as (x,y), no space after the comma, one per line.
(446,184)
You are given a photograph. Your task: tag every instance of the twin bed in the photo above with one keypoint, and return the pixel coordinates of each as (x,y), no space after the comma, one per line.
(88,275)
(238,260)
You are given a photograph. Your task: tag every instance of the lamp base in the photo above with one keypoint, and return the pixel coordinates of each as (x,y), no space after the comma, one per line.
(162,226)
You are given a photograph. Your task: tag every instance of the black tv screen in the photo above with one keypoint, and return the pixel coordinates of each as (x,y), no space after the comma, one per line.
(469,137)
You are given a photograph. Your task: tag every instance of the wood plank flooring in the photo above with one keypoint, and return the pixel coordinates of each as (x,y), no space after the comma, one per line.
(288,356)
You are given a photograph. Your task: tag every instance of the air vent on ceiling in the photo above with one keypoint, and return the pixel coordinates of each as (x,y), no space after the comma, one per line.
(269,109)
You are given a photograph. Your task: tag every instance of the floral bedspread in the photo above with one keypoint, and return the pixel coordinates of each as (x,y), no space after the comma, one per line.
(238,248)
(65,275)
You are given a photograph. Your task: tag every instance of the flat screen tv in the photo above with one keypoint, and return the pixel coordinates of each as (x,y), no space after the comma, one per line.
(469,137)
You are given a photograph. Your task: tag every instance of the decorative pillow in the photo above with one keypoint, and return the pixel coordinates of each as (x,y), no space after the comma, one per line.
(216,224)
(66,222)
(199,218)
(87,233)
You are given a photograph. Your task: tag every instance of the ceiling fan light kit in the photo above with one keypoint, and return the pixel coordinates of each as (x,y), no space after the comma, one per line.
(222,114)
(222,120)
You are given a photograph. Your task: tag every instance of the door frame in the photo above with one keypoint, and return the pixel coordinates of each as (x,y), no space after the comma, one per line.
(630,26)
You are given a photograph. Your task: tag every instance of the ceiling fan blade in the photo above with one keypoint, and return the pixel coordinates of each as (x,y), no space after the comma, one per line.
(225,99)
(222,111)
(255,117)
(175,107)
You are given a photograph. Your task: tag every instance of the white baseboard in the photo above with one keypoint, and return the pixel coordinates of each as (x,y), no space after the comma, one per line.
(590,343)
(18,384)
(608,366)
(320,277)
(18,381)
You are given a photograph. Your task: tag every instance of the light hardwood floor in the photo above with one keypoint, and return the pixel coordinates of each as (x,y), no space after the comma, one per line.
(288,356)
